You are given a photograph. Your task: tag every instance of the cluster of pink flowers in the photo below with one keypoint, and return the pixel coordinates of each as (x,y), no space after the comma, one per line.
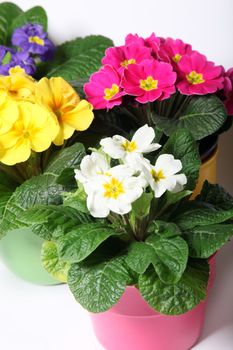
(152,69)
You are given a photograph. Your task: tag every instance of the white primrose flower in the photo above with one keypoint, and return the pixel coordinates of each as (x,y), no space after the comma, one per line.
(163,175)
(118,147)
(91,166)
(114,192)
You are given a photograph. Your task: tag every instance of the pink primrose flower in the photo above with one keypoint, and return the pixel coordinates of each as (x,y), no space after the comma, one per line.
(197,76)
(149,81)
(172,50)
(122,56)
(103,90)
(152,42)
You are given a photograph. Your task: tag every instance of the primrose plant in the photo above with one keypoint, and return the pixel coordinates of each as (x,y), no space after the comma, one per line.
(128,220)
(117,187)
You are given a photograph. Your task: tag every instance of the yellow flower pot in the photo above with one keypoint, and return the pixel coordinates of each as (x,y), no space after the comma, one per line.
(208,171)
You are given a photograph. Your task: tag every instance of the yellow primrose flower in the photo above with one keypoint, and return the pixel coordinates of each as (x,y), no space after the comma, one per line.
(18,85)
(63,101)
(8,112)
(35,129)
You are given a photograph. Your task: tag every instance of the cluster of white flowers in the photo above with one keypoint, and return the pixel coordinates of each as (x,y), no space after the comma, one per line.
(116,188)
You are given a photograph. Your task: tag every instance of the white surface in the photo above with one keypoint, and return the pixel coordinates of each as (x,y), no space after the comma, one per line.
(47,318)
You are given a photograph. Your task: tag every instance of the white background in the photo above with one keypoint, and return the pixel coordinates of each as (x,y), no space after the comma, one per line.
(36,318)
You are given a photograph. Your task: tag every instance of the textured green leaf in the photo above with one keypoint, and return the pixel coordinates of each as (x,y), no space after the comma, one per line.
(77,200)
(203,116)
(204,241)
(168,255)
(78,244)
(69,157)
(8,12)
(183,146)
(171,256)
(36,15)
(140,256)
(50,260)
(79,58)
(98,285)
(49,221)
(216,195)
(41,189)
(201,217)
(166,229)
(178,298)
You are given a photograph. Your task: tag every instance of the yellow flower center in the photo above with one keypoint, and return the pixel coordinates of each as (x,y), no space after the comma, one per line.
(113,189)
(36,40)
(26,134)
(157,175)
(176,58)
(195,78)
(129,146)
(149,83)
(125,63)
(111,92)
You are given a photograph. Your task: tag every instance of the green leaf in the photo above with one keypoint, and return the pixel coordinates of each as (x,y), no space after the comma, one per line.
(35,15)
(141,207)
(201,217)
(171,256)
(69,157)
(49,221)
(183,146)
(50,260)
(204,241)
(178,298)
(166,229)
(78,244)
(77,199)
(67,179)
(216,195)
(41,189)
(140,256)
(203,116)
(172,198)
(98,285)
(79,58)
(7,58)
(8,12)
(168,255)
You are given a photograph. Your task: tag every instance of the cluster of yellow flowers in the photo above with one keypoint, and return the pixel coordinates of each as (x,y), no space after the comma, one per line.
(33,114)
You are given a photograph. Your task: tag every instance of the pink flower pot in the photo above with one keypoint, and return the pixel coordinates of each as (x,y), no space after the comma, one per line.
(132,325)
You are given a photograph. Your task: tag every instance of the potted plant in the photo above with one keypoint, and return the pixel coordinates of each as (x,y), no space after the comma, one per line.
(33,84)
(139,253)
(168,85)
(65,75)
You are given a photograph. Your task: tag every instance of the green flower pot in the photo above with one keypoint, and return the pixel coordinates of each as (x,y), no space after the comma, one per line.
(20,251)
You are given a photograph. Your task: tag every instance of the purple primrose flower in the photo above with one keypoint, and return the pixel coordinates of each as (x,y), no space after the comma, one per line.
(9,58)
(31,38)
